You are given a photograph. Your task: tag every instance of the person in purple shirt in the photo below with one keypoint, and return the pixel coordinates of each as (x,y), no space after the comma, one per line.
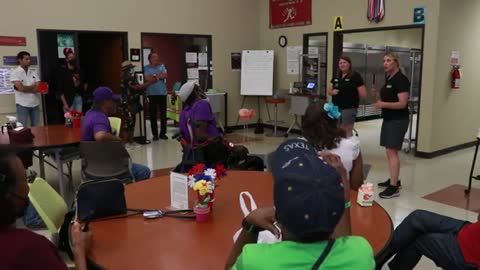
(96,126)
(198,127)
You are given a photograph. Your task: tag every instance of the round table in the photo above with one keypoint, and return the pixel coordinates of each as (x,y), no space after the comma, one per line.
(53,138)
(172,243)
(49,137)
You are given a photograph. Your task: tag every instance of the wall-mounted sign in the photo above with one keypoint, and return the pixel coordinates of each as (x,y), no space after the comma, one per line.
(13,41)
(65,41)
(146,52)
(338,23)
(135,55)
(288,13)
(12,60)
(419,14)
(236,59)
(376,10)
(455,58)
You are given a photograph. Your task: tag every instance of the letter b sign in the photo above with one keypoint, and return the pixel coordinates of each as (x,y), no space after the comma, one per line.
(419,15)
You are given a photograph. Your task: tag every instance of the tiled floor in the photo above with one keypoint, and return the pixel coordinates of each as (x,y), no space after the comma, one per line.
(420,177)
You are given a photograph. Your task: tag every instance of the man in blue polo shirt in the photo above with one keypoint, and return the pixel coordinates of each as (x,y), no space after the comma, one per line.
(96,126)
(156,73)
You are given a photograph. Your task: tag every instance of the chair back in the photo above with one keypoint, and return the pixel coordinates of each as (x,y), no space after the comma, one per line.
(176,87)
(270,159)
(48,203)
(116,124)
(104,159)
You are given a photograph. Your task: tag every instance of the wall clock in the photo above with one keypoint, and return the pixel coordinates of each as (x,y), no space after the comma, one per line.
(282,41)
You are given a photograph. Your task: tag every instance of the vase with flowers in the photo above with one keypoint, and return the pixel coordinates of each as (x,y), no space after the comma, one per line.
(203,181)
(73,119)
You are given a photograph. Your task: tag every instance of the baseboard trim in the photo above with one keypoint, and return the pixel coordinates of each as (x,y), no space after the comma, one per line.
(444,151)
(230,129)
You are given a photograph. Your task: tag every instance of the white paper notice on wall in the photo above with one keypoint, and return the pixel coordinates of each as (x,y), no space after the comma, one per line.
(6,87)
(455,58)
(191,57)
(293,58)
(192,73)
(313,51)
(202,59)
(178,191)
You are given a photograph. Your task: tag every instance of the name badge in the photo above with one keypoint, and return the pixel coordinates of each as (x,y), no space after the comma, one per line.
(347,80)
(389,86)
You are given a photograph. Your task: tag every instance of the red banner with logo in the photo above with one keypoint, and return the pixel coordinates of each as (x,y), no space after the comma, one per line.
(13,41)
(288,13)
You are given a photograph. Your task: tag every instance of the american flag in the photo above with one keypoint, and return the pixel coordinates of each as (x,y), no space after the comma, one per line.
(376,10)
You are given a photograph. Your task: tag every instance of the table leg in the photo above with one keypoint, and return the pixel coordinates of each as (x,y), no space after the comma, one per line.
(217,117)
(473,167)
(61,179)
(41,163)
(294,123)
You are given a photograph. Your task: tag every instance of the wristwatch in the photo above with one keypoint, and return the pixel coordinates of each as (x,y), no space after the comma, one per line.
(250,228)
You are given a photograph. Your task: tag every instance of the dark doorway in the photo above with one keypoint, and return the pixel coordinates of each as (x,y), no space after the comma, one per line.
(172,49)
(99,55)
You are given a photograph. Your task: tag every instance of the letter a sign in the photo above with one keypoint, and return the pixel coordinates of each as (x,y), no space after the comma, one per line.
(338,23)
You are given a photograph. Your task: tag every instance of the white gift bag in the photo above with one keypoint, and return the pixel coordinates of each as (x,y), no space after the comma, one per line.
(265,237)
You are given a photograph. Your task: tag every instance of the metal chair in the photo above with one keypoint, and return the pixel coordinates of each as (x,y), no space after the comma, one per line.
(51,208)
(105,160)
(275,102)
(116,124)
(66,156)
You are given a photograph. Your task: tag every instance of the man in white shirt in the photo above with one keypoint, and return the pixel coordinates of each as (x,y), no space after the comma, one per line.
(25,82)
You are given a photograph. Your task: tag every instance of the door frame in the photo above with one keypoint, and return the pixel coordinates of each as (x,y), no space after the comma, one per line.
(306,36)
(209,53)
(210,46)
(39,31)
(338,48)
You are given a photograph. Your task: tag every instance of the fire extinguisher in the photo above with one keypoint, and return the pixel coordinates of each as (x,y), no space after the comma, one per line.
(455,83)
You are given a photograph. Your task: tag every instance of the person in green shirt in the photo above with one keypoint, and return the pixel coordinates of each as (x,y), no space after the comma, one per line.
(311,217)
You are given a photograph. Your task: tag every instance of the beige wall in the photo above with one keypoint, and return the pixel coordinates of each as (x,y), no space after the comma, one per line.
(406,38)
(233,25)
(398,13)
(243,24)
(457,112)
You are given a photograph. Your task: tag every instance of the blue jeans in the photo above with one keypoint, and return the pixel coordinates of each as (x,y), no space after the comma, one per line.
(77,104)
(140,172)
(31,218)
(424,233)
(23,113)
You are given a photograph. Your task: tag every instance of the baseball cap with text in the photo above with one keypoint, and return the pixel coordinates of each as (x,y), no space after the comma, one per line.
(308,193)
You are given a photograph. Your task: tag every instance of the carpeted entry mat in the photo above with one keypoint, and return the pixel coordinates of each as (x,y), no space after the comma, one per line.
(455,196)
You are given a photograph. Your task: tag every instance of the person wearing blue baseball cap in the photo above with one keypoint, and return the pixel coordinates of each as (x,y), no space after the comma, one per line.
(96,126)
(310,214)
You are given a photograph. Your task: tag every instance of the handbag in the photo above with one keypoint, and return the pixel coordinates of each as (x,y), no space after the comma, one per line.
(264,237)
(99,199)
(20,135)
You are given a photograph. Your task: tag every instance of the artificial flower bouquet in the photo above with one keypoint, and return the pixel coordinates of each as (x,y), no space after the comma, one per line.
(203,181)
(73,118)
